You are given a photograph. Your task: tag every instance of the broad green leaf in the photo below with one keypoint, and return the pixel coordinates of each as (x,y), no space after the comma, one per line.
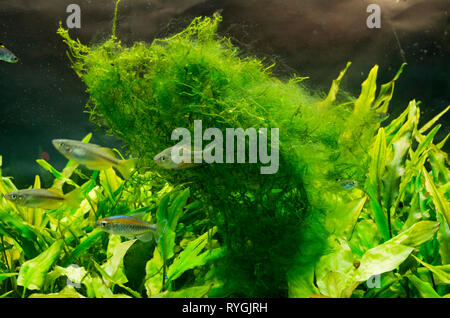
(333,268)
(170,214)
(116,251)
(73,272)
(337,285)
(301,283)
(32,273)
(95,287)
(190,258)
(443,276)
(4,276)
(335,87)
(380,259)
(342,220)
(439,200)
(386,92)
(154,274)
(444,240)
(367,96)
(417,234)
(109,278)
(374,182)
(365,236)
(424,288)
(389,255)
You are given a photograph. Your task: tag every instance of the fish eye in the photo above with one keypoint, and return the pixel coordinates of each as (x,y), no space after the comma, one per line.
(67,148)
(13,196)
(103,223)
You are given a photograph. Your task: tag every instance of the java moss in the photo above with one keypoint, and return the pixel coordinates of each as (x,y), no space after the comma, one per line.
(271,225)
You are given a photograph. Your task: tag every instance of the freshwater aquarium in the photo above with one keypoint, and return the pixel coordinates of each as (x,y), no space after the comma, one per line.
(224,149)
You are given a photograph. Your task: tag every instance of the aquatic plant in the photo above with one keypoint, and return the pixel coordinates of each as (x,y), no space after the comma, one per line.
(272,226)
(296,233)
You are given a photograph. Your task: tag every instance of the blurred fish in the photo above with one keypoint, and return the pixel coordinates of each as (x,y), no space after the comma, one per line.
(94,157)
(130,227)
(45,199)
(349,184)
(381,117)
(7,56)
(164,158)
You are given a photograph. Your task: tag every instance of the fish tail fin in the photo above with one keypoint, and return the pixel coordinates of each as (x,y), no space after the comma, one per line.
(126,167)
(146,237)
(74,198)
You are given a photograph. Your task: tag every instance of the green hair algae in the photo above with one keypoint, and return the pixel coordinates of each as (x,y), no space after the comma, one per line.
(272,225)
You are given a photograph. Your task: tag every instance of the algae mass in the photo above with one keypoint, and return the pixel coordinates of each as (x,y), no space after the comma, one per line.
(232,231)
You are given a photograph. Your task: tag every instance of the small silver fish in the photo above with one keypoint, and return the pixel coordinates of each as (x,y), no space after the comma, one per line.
(349,184)
(7,56)
(94,157)
(45,199)
(164,158)
(130,227)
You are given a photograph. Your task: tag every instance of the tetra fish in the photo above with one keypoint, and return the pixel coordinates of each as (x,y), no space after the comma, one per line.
(130,227)
(7,56)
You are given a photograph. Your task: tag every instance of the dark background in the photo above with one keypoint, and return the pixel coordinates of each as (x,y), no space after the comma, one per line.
(41,98)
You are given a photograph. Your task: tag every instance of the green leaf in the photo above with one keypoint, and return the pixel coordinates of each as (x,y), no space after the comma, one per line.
(190,292)
(189,258)
(342,220)
(111,279)
(374,183)
(58,175)
(417,234)
(95,287)
(433,121)
(73,272)
(4,276)
(32,273)
(424,288)
(444,240)
(301,283)
(386,92)
(154,274)
(116,252)
(381,259)
(389,255)
(367,96)
(443,276)
(337,285)
(84,246)
(439,200)
(335,86)
(170,214)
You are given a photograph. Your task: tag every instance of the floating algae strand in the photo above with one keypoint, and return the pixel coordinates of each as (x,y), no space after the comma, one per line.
(272,226)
